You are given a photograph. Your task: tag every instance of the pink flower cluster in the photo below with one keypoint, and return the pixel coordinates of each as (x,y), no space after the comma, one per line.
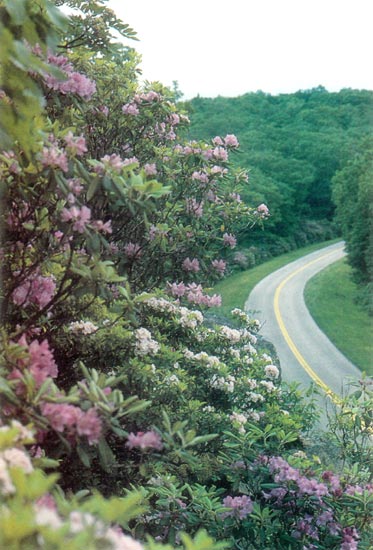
(35,289)
(145,440)
(39,362)
(150,169)
(130,109)
(229,240)
(132,250)
(54,157)
(219,266)
(195,208)
(191,265)
(72,81)
(241,506)
(76,145)
(263,210)
(114,162)
(230,140)
(283,472)
(194,294)
(63,417)
(80,217)
(200,176)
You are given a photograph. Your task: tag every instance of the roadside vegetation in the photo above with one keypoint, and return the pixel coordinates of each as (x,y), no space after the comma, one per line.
(331,299)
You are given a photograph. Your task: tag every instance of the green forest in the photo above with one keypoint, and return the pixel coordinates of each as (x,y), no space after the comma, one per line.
(292,145)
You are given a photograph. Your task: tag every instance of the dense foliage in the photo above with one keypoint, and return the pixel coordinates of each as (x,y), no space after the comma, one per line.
(292,144)
(353,196)
(114,380)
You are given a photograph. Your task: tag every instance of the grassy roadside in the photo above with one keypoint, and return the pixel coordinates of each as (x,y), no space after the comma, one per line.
(236,288)
(329,296)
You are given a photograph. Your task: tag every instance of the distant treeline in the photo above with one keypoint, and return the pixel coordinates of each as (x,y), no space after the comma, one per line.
(292,145)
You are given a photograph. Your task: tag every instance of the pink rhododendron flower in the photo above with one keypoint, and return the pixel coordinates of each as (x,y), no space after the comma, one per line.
(231,141)
(220,153)
(263,210)
(61,416)
(41,362)
(145,440)
(130,109)
(217,141)
(89,424)
(195,295)
(195,208)
(229,240)
(36,289)
(241,506)
(150,169)
(75,186)
(200,176)
(219,266)
(74,82)
(103,227)
(76,145)
(177,289)
(113,161)
(67,417)
(235,196)
(132,250)
(80,217)
(191,265)
(54,157)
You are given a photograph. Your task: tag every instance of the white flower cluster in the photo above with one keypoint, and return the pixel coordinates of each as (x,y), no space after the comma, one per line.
(222,383)
(236,312)
(80,521)
(254,397)
(203,357)
(231,334)
(253,415)
(145,345)
(268,385)
(271,371)
(173,379)
(10,458)
(189,318)
(161,304)
(239,419)
(83,327)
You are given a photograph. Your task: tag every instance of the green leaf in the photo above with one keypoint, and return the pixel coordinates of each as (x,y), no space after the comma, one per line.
(83,455)
(16,10)
(107,458)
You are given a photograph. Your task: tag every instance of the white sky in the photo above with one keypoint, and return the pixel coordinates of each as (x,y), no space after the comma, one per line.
(231,47)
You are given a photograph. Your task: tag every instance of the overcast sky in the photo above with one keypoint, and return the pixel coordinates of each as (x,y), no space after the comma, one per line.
(231,47)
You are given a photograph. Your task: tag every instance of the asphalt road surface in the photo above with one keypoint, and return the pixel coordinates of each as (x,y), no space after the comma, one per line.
(304,351)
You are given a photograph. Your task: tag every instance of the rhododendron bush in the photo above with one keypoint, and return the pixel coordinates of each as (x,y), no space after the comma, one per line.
(113,374)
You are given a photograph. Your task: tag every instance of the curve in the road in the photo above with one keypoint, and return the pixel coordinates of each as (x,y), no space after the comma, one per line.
(304,351)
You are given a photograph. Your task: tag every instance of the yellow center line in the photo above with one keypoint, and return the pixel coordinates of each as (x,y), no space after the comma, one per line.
(306,366)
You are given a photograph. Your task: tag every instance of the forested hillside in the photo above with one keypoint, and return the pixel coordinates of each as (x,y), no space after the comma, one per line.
(292,144)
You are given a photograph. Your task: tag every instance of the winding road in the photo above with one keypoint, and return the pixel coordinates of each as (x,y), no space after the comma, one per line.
(304,351)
